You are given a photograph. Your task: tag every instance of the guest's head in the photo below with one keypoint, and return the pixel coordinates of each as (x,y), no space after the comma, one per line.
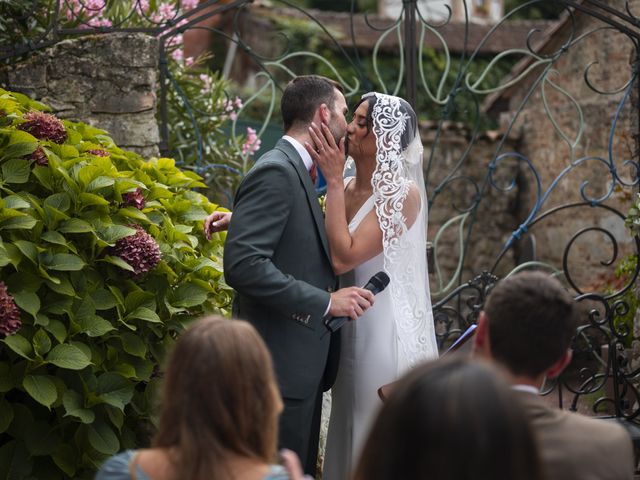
(310,98)
(527,325)
(450,419)
(220,399)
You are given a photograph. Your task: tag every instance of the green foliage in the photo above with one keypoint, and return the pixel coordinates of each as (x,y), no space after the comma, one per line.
(77,380)
(632,221)
(197,106)
(623,273)
(543,9)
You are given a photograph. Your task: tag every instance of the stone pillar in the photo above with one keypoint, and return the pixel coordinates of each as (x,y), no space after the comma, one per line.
(108,81)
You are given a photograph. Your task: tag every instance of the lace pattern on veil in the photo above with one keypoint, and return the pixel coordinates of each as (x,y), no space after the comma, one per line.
(399,172)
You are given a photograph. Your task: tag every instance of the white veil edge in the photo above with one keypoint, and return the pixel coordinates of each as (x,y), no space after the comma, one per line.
(397,179)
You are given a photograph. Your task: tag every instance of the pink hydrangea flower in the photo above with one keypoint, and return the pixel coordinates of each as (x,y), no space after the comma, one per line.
(134,199)
(44,126)
(9,314)
(139,250)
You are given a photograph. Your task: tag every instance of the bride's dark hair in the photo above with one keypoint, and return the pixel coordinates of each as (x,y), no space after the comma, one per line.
(409,132)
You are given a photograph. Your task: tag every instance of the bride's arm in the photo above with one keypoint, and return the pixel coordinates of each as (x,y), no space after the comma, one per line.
(347,250)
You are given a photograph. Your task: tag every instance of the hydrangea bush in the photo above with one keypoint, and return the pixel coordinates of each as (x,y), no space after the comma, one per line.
(102,260)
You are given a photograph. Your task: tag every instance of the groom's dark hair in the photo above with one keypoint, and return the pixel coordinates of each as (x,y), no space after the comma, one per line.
(303,96)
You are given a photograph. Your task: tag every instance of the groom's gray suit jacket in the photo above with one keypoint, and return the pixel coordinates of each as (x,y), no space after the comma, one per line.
(277,259)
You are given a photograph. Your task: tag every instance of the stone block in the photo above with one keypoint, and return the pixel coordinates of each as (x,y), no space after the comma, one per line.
(129,102)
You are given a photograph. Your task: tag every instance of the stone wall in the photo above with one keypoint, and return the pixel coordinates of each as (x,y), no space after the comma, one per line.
(544,146)
(492,222)
(109,81)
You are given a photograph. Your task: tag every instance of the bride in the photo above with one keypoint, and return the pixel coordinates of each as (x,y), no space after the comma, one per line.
(375,221)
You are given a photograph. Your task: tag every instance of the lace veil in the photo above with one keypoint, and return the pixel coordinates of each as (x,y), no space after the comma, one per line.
(401,206)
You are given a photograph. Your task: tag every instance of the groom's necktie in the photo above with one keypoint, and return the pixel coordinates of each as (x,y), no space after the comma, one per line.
(313,173)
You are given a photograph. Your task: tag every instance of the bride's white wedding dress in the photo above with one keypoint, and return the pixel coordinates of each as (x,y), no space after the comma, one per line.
(370,357)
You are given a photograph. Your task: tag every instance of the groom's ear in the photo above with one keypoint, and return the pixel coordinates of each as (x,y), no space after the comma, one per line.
(324,113)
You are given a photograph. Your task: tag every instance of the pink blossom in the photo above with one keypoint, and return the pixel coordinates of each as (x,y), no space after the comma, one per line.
(99,22)
(238,102)
(233,116)
(175,40)
(95,6)
(177,54)
(166,11)
(189,61)
(252,143)
(189,4)
(206,82)
(142,5)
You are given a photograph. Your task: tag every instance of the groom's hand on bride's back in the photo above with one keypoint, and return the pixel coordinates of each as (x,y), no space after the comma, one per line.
(350,302)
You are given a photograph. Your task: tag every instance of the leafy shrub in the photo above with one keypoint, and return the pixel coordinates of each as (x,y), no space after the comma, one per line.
(78,369)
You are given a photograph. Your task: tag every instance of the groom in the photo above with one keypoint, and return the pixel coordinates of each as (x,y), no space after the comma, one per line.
(277,259)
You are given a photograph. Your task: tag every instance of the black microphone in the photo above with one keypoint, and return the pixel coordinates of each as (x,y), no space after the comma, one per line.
(375,285)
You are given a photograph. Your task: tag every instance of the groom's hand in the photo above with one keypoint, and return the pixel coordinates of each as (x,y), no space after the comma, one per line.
(350,302)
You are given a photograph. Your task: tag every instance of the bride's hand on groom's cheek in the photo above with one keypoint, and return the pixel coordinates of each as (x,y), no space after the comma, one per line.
(328,155)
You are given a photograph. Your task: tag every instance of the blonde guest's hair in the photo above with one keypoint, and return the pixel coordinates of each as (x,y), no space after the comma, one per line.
(220,399)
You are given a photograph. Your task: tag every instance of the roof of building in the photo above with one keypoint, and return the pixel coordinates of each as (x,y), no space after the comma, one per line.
(365,30)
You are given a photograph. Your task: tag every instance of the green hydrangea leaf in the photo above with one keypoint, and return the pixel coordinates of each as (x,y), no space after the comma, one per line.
(118,262)
(6,415)
(65,262)
(41,388)
(19,345)
(68,356)
(103,299)
(115,390)
(102,438)
(133,345)
(4,256)
(16,171)
(59,201)
(74,407)
(41,342)
(75,225)
(28,249)
(89,199)
(100,182)
(15,201)
(57,329)
(142,313)
(25,222)
(15,461)
(6,381)
(95,325)
(188,295)
(19,150)
(54,237)
(112,233)
(28,301)
(65,459)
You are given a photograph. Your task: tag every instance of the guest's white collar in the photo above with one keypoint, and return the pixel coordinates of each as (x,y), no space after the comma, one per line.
(526,388)
(306,158)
